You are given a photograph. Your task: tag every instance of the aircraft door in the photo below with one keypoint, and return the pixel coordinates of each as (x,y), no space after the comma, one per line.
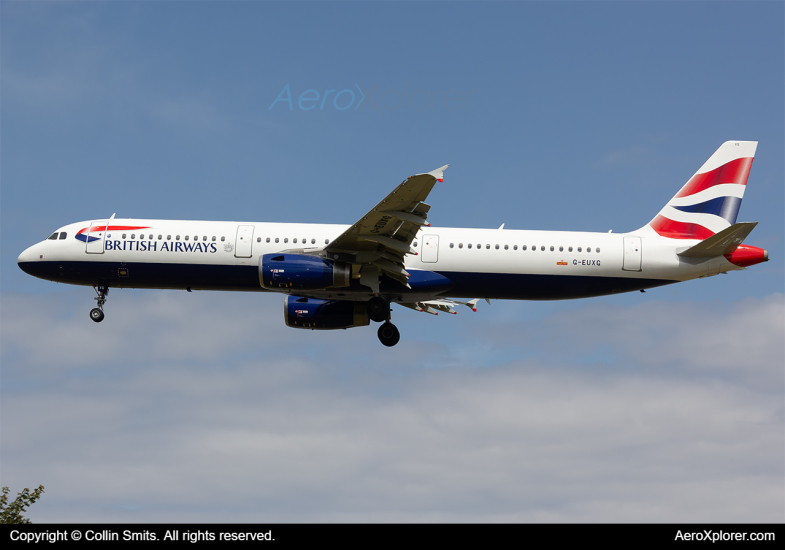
(244,243)
(632,254)
(95,238)
(430,248)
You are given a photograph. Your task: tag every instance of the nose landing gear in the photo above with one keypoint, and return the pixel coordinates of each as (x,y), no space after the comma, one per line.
(378,311)
(97,313)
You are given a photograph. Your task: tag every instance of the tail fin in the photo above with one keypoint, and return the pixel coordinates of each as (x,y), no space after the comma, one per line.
(709,202)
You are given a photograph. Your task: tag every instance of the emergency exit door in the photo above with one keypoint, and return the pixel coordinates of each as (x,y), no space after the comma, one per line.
(243,245)
(632,254)
(430,248)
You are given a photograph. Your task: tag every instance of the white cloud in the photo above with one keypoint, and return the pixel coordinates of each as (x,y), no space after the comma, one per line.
(268,423)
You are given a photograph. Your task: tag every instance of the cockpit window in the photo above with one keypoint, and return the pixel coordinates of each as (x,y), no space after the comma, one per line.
(52,237)
(63,235)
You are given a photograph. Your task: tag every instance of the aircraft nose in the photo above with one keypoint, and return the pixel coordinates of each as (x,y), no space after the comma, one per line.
(27,260)
(26,256)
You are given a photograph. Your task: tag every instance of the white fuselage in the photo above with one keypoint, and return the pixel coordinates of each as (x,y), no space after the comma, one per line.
(492,263)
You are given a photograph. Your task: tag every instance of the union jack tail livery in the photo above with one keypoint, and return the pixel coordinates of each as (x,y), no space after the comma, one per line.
(709,202)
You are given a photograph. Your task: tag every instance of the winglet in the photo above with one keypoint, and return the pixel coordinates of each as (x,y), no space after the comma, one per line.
(439,172)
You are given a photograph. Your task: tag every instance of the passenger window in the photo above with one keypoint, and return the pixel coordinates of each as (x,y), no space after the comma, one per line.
(414,244)
(326,241)
(168,237)
(534,248)
(579,249)
(286,240)
(588,249)
(204,238)
(460,245)
(160,237)
(506,247)
(63,235)
(469,245)
(258,239)
(52,237)
(313,241)
(551,249)
(176,237)
(597,250)
(141,236)
(451,245)
(213,238)
(186,237)
(223,239)
(479,246)
(497,247)
(267,240)
(294,241)
(523,247)
(561,249)
(570,249)
(515,247)
(542,248)
(276,239)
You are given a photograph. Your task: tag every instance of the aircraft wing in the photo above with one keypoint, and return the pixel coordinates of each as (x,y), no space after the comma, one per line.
(435,306)
(380,239)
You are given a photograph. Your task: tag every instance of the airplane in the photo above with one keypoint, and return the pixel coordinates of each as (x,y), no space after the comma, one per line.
(344,276)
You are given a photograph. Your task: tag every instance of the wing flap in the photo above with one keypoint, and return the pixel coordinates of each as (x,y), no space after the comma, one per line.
(434,306)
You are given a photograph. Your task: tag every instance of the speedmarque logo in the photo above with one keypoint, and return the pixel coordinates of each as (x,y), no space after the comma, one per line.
(358,98)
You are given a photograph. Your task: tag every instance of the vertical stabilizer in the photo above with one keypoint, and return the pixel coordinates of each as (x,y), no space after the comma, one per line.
(709,202)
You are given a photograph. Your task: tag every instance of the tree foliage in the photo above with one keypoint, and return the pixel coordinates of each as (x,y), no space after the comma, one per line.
(12,513)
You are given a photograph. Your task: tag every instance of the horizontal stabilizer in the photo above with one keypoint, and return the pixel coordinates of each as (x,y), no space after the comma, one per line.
(724,242)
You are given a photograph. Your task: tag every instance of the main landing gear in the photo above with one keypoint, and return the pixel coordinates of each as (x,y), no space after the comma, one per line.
(378,311)
(97,313)
(388,334)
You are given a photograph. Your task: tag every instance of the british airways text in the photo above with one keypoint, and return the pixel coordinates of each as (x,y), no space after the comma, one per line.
(152,246)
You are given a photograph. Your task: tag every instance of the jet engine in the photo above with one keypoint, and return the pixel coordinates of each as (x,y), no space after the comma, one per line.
(324,314)
(302,272)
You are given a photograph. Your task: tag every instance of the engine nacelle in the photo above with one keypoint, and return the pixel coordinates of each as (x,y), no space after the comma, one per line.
(324,314)
(302,272)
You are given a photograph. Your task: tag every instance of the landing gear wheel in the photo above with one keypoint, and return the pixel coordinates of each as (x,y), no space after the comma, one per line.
(97,313)
(388,334)
(378,309)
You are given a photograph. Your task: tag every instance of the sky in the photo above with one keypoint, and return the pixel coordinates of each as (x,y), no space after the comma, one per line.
(667,406)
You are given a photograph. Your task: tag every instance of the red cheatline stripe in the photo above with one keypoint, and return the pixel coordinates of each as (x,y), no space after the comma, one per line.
(679,230)
(114,228)
(736,171)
